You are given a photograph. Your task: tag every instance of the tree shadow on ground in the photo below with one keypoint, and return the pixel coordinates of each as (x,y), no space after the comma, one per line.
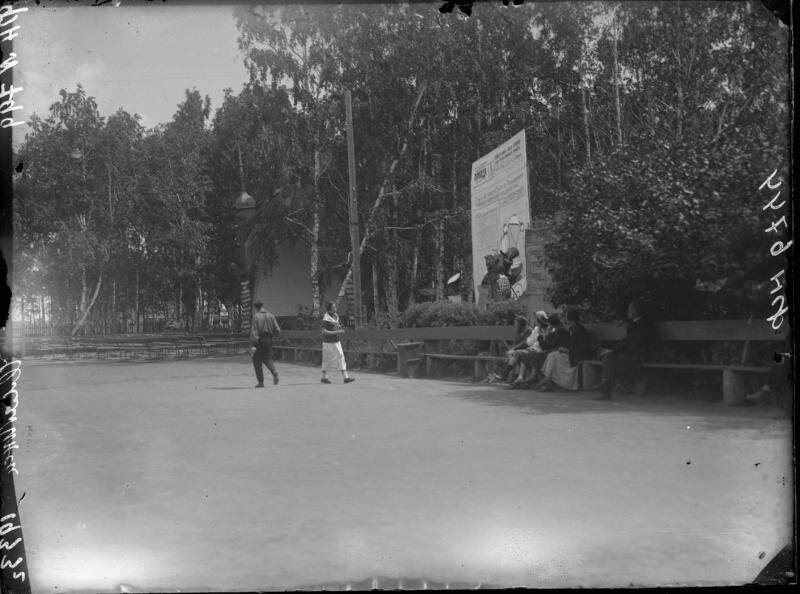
(711,412)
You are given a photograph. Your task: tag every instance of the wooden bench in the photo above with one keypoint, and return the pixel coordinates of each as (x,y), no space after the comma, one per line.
(733,374)
(430,339)
(433,351)
(373,356)
(479,363)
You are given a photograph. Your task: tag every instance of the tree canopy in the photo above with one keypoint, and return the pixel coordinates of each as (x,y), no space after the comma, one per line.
(649,127)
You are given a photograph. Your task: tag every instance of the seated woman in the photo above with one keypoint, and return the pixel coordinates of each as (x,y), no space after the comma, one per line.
(531,356)
(521,333)
(561,365)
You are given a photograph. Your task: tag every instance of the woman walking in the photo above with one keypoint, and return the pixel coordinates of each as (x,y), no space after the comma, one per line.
(332,354)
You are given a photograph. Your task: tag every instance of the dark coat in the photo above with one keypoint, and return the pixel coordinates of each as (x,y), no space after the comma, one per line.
(638,339)
(582,344)
(555,340)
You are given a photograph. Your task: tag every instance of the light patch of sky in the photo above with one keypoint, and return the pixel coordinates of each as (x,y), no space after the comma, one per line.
(139,58)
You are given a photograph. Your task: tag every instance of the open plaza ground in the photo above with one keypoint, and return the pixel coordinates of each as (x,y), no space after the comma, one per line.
(179,475)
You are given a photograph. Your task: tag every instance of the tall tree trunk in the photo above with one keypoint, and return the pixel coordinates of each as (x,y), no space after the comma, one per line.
(586,132)
(387,180)
(390,270)
(138,302)
(87,309)
(376,306)
(558,146)
(315,228)
(679,114)
(390,274)
(678,49)
(453,183)
(114,306)
(412,299)
(615,77)
(598,143)
(179,297)
(439,264)
(110,207)
(201,307)
(84,290)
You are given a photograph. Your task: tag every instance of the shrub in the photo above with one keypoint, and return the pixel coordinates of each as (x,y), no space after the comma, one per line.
(645,221)
(502,313)
(447,313)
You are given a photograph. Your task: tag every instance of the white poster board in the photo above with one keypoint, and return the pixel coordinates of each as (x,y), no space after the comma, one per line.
(500,208)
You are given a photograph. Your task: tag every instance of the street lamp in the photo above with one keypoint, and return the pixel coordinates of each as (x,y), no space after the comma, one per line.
(245,207)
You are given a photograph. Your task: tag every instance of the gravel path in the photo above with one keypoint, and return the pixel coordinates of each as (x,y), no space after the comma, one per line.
(173,476)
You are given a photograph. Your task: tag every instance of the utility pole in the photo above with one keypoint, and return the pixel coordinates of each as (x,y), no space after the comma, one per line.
(245,208)
(354,238)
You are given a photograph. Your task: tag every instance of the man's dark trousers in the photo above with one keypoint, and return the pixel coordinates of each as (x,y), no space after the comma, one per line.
(625,362)
(263,356)
(619,365)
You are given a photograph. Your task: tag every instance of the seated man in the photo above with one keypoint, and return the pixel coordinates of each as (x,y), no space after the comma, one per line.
(624,361)
(561,366)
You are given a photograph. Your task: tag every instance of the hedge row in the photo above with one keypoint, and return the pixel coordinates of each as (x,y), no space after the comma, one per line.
(446,313)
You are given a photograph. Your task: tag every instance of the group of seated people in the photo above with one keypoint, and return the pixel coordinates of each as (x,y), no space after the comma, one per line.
(547,354)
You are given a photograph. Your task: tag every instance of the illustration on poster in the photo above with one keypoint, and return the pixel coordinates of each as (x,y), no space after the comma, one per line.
(505,273)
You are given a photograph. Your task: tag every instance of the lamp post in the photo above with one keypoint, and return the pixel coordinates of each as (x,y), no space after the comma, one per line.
(245,207)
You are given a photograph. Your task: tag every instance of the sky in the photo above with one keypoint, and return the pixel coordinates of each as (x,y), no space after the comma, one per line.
(141,58)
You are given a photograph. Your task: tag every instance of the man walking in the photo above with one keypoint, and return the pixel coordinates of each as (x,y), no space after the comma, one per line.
(263,329)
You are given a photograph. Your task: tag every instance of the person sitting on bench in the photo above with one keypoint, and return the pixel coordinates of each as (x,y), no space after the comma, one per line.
(561,366)
(556,338)
(530,349)
(522,330)
(624,361)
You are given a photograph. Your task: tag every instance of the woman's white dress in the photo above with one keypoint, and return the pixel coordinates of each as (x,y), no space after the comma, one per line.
(332,353)
(557,369)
